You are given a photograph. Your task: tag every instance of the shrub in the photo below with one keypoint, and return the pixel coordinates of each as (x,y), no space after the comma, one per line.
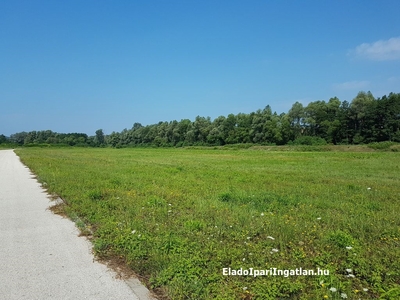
(309,140)
(381,145)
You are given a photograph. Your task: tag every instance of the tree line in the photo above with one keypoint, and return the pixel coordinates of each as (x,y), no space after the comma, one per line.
(363,120)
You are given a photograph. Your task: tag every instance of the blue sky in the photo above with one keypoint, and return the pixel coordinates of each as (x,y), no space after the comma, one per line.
(77,66)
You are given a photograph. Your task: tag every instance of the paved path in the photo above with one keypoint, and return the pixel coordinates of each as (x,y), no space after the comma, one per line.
(41,255)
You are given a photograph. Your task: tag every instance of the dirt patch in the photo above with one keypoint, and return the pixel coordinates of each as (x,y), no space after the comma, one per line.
(58,209)
(58,206)
(119,266)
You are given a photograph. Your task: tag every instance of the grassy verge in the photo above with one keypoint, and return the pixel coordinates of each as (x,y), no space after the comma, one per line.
(178,217)
(7,146)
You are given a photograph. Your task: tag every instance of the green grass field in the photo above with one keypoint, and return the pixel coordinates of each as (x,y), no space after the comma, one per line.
(177,217)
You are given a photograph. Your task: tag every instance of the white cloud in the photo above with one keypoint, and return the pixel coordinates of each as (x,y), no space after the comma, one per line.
(380,50)
(351,85)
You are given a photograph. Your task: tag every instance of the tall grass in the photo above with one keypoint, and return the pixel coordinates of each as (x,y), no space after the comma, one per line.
(179,216)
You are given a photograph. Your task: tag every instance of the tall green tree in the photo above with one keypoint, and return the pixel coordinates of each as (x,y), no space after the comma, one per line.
(3,139)
(359,108)
(18,138)
(243,124)
(384,119)
(296,119)
(216,135)
(99,138)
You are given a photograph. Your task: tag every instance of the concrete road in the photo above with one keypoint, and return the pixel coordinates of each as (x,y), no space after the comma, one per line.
(41,255)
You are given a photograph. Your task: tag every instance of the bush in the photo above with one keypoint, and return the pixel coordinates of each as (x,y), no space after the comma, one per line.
(309,140)
(395,148)
(381,145)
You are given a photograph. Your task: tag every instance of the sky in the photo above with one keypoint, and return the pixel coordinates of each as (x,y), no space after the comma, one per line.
(83,65)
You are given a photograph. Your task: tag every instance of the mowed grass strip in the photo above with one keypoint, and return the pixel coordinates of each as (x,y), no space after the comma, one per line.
(179,216)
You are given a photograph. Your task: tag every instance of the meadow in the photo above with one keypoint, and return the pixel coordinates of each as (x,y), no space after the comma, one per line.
(178,217)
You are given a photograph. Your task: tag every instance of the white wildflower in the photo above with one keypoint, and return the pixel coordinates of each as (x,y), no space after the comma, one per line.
(275,250)
(351,276)
(349,270)
(365,290)
(319,218)
(248,237)
(133,231)
(349,247)
(244,259)
(368,188)
(343,295)
(262,214)
(244,288)
(333,290)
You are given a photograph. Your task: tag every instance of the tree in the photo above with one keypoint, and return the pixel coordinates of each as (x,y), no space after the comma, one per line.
(315,115)
(229,129)
(136,126)
(30,138)
(359,108)
(18,138)
(243,125)
(99,138)
(216,134)
(114,139)
(360,103)
(384,119)
(287,133)
(331,125)
(296,119)
(3,139)
(257,128)
(201,127)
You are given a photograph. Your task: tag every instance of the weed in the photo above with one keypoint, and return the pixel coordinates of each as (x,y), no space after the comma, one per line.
(94,195)
(381,145)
